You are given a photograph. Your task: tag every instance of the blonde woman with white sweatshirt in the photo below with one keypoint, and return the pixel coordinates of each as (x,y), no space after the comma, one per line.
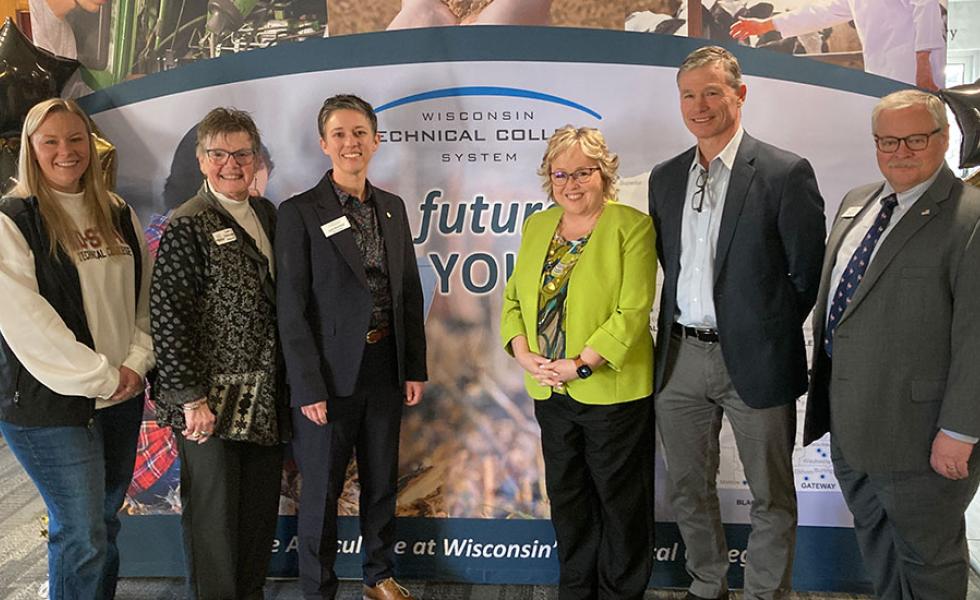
(74,343)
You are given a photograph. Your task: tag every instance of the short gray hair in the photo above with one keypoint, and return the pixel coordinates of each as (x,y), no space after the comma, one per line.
(708,55)
(910,98)
(226,121)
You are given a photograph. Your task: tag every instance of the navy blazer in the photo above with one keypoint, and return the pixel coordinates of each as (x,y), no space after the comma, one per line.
(323,298)
(767,267)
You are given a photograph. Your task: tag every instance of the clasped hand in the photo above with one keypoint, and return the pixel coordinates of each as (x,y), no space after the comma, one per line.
(130,385)
(547,372)
(199,422)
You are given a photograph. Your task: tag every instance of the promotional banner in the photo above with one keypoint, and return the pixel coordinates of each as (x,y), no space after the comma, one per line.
(116,40)
(120,39)
(892,38)
(463,117)
(899,39)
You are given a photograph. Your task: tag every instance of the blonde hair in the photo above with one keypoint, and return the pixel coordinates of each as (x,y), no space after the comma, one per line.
(592,144)
(31,182)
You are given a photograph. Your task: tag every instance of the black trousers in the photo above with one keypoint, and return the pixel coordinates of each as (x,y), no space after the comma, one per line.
(366,424)
(230,496)
(598,471)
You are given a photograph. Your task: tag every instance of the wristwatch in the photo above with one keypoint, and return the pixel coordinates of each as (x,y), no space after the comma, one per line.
(583,370)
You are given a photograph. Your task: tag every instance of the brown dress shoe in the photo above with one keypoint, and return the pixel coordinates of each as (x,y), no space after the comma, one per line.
(386,589)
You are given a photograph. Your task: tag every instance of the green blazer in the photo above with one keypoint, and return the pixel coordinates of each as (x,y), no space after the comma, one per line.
(610,294)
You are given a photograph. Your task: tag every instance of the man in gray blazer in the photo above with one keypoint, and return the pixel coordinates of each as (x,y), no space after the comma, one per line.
(740,234)
(896,339)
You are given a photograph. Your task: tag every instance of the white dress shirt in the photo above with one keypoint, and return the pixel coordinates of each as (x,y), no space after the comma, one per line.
(863,222)
(699,238)
(891,32)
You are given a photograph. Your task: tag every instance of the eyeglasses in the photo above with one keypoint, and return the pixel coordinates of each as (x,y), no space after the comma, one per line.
(915,142)
(560,178)
(697,200)
(220,157)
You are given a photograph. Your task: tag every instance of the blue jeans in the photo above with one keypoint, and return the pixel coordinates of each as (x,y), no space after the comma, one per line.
(82,474)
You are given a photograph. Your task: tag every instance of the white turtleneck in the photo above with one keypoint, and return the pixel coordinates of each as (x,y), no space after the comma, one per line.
(244,215)
(39,337)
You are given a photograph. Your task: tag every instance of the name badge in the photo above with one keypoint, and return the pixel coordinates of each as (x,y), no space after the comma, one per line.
(336,226)
(851,212)
(224,236)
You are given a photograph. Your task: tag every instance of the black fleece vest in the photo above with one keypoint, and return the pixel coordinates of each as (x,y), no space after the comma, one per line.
(24,400)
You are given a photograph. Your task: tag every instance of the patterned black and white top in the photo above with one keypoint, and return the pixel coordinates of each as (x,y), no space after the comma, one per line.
(363,218)
(213,317)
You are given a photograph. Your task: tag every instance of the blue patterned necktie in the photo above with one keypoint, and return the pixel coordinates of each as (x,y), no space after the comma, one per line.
(852,275)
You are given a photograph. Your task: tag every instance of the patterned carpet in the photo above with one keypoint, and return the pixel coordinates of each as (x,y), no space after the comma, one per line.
(23,562)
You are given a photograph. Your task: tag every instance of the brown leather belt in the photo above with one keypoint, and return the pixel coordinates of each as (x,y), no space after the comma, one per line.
(376,335)
(702,334)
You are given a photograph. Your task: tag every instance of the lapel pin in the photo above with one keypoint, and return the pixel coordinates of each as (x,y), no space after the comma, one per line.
(925,212)
(388,213)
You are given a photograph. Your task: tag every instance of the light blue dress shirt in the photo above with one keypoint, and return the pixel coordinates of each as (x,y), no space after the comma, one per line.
(699,237)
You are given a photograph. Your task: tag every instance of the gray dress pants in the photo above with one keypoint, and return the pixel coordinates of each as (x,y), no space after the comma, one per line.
(697,392)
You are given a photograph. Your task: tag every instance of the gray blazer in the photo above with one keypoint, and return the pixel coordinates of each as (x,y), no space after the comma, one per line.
(906,349)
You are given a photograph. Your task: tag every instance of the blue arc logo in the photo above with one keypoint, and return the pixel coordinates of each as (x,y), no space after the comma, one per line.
(480,90)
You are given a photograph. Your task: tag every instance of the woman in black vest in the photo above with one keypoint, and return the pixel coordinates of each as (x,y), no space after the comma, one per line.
(74,343)
(221,380)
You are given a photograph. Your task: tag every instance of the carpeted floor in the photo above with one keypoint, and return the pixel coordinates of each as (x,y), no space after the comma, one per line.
(23,562)
(167,590)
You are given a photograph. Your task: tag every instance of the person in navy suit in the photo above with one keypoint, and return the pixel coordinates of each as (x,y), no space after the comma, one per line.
(352,329)
(740,235)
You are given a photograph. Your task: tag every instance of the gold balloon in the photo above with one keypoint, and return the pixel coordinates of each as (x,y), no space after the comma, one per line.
(107,158)
(974,179)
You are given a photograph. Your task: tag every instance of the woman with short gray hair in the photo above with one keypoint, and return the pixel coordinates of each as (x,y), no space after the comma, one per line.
(220,385)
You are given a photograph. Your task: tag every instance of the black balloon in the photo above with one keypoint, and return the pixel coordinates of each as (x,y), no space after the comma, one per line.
(28,75)
(8,162)
(964,101)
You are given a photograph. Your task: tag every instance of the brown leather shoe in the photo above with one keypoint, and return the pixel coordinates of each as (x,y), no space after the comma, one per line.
(386,589)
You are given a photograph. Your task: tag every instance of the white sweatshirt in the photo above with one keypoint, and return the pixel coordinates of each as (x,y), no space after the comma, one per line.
(38,336)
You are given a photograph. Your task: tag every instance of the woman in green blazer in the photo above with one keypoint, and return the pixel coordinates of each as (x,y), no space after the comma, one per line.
(576,317)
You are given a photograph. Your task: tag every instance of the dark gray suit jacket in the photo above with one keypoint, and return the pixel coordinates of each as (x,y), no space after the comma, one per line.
(906,350)
(323,297)
(767,266)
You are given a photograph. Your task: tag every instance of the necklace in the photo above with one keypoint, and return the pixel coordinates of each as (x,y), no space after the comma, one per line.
(567,232)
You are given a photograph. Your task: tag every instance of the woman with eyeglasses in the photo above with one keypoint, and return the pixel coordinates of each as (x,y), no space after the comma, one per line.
(576,317)
(220,384)
(75,344)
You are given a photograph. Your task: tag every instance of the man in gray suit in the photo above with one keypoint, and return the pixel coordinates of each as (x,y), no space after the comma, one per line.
(897,335)
(740,235)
